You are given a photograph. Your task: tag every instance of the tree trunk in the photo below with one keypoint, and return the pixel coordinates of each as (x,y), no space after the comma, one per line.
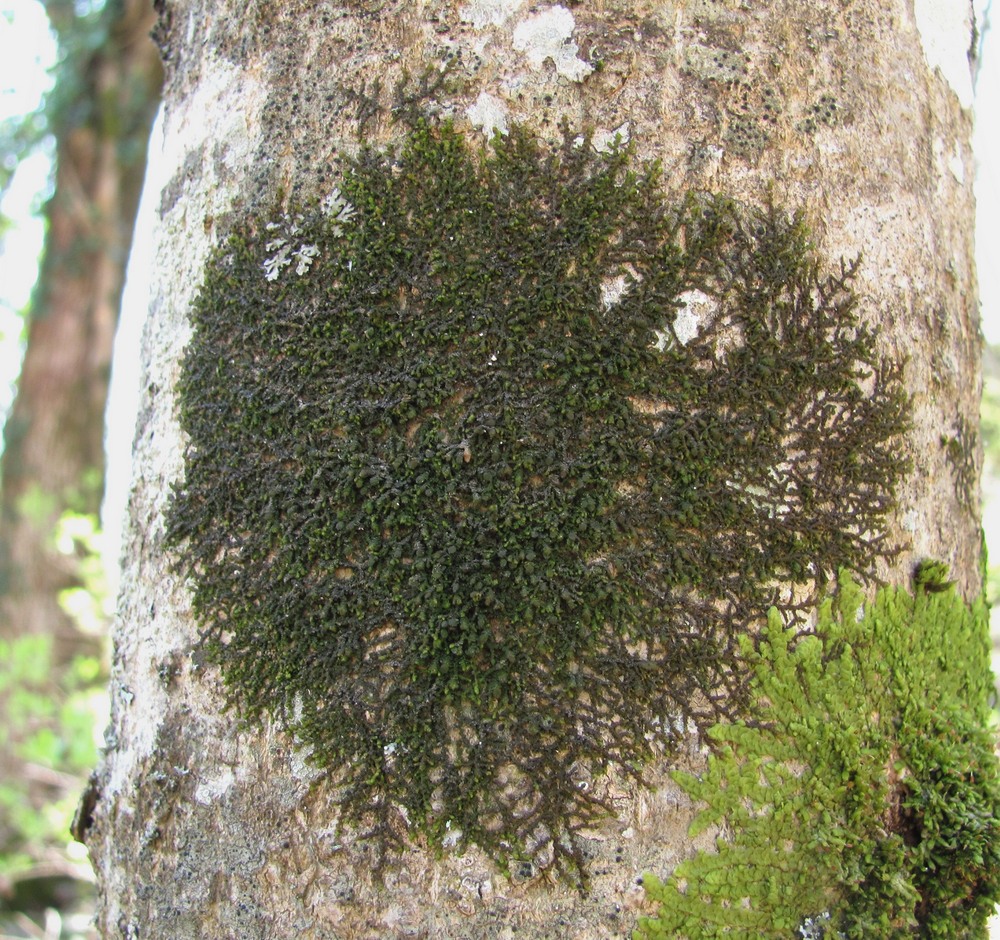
(53,458)
(855,115)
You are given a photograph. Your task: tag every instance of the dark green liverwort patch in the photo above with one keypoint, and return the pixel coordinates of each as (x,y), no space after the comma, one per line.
(493,458)
(960,450)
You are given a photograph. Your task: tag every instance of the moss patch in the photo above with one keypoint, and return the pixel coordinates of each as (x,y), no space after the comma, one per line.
(493,458)
(861,798)
(960,450)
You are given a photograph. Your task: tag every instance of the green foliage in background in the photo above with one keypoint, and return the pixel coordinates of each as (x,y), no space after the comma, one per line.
(990,431)
(861,798)
(51,710)
(86,602)
(50,731)
(78,29)
(82,30)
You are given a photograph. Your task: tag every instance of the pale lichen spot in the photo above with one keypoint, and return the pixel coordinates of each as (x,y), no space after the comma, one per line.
(300,766)
(686,325)
(394,916)
(281,259)
(483,13)
(287,247)
(208,791)
(548,35)
(451,837)
(612,290)
(490,114)
(334,204)
(813,928)
(698,308)
(948,164)
(304,258)
(606,141)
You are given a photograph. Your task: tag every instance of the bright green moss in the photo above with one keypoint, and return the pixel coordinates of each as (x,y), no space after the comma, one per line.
(861,797)
(476,518)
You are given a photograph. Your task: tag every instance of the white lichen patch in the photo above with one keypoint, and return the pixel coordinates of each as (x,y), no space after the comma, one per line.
(696,309)
(489,114)
(548,35)
(945,28)
(394,916)
(813,928)
(483,13)
(612,290)
(301,767)
(287,248)
(451,837)
(304,258)
(281,244)
(605,141)
(662,341)
(711,159)
(950,166)
(686,325)
(957,165)
(334,204)
(208,791)
(280,259)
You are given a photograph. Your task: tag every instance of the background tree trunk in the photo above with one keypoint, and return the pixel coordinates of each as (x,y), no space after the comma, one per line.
(100,113)
(856,113)
(53,458)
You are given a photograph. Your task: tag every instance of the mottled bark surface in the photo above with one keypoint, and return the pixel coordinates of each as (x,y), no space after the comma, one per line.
(204,829)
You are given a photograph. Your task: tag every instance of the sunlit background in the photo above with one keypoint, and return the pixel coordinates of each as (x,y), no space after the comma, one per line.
(57,736)
(27,54)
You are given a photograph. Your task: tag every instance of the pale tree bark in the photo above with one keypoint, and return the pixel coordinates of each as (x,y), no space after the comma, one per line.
(857,114)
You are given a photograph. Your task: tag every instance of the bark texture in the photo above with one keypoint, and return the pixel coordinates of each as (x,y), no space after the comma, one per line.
(202,828)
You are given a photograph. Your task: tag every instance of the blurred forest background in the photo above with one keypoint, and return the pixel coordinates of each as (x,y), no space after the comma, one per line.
(79,90)
(90,130)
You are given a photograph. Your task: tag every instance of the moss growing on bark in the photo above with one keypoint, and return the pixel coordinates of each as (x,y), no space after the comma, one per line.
(496,454)
(960,450)
(861,797)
